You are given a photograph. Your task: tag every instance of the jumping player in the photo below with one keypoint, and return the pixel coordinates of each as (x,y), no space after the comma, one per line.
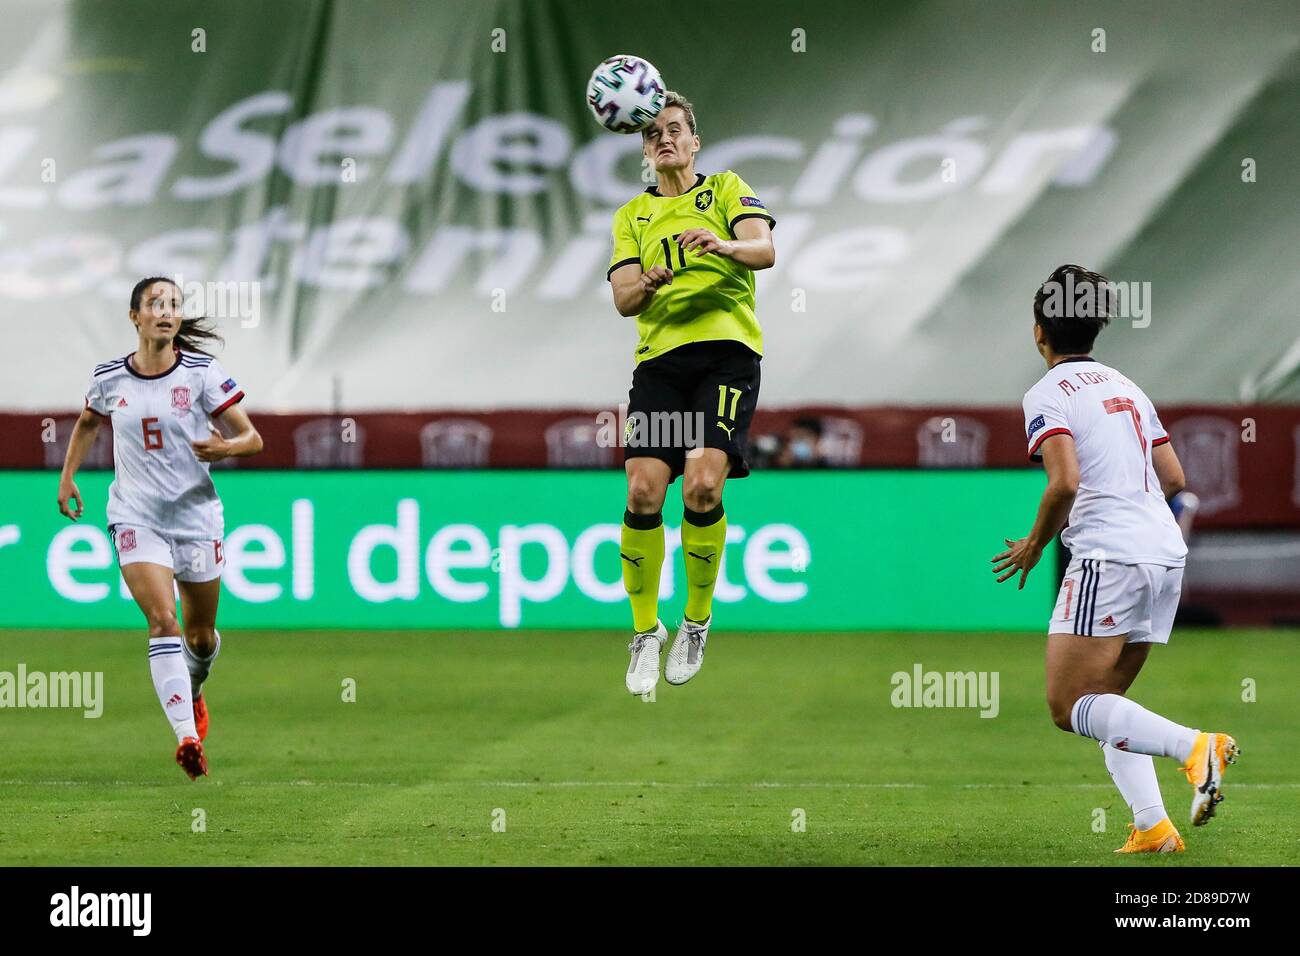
(1110,470)
(163,511)
(685,253)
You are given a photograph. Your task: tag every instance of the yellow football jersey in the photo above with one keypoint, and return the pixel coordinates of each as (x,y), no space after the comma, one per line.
(711,297)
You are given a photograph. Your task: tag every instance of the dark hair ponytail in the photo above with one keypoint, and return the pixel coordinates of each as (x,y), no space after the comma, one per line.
(194,334)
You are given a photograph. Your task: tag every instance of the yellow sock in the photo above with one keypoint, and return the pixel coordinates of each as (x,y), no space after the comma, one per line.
(642,552)
(704,534)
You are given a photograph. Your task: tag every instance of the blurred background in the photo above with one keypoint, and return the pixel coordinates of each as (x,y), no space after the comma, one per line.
(398,213)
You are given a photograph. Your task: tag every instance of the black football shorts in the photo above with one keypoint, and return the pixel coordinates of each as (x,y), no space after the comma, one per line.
(701,394)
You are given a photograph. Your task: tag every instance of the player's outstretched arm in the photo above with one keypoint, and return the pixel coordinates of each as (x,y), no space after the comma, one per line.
(1168,469)
(1062,467)
(246,440)
(83,436)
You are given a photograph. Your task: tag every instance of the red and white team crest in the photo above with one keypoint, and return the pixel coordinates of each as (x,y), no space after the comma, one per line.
(125,540)
(181,398)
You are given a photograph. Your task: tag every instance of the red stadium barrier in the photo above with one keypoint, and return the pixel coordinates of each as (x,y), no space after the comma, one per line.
(1242,461)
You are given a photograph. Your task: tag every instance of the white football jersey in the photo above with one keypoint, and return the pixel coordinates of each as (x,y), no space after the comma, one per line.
(159,483)
(1120,513)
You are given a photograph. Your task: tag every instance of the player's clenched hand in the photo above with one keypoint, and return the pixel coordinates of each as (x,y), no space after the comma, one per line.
(1020,556)
(657,276)
(213,448)
(68,493)
(705,241)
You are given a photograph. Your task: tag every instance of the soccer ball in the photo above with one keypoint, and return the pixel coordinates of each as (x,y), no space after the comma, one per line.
(625,93)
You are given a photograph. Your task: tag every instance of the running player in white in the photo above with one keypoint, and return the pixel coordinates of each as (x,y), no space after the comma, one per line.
(163,511)
(1110,469)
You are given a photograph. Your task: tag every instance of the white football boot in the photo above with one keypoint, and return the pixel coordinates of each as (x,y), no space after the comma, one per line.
(643,671)
(687,654)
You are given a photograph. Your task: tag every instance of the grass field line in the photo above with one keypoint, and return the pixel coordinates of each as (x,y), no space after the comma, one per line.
(620,784)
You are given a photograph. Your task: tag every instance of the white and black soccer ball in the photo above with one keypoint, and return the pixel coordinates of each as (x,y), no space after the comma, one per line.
(625,93)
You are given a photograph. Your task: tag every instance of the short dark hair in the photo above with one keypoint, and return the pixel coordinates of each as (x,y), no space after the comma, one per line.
(1071,307)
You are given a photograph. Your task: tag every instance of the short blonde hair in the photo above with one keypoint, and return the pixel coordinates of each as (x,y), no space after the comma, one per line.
(673,98)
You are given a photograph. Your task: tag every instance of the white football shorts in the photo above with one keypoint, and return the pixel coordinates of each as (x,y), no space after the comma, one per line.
(191,559)
(1101,598)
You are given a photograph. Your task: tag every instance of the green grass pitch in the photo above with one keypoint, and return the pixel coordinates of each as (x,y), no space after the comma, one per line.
(533,732)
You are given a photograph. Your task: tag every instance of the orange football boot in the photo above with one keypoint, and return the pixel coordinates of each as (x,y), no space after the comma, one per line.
(1161,838)
(201,717)
(189,755)
(1210,756)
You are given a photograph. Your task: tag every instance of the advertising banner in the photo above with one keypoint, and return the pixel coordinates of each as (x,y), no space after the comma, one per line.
(508,549)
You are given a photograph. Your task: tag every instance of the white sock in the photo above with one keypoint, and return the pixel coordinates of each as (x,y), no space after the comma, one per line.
(1135,776)
(199,666)
(171,680)
(1127,725)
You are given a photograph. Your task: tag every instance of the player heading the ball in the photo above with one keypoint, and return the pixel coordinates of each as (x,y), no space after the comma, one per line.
(685,253)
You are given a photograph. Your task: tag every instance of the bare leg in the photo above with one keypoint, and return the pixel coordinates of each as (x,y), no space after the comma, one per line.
(647,485)
(1088,665)
(702,480)
(199,612)
(151,586)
